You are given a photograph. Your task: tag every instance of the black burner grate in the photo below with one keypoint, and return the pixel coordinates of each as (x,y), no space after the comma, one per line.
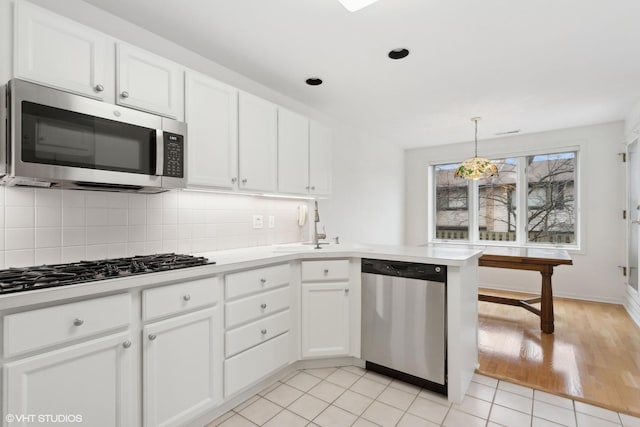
(46,276)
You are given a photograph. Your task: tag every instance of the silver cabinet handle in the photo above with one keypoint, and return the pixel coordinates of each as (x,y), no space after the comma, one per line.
(244,180)
(263,280)
(78,322)
(187,297)
(307,187)
(152,337)
(326,271)
(126,344)
(346,291)
(313,187)
(263,332)
(124,94)
(99,88)
(263,306)
(234,180)
(635,222)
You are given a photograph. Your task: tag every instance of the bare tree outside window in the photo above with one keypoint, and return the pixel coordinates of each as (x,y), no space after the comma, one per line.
(452,207)
(497,203)
(551,216)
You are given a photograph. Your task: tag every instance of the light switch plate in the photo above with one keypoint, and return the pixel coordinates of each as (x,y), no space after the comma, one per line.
(258,221)
(272,221)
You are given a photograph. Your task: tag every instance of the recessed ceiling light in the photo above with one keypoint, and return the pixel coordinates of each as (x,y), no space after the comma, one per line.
(354,5)
(398,53)
(314,81)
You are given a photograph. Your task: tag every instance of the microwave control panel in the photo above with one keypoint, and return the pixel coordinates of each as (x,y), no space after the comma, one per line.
(173,155)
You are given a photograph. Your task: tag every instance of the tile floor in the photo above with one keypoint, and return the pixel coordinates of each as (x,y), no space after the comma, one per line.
(352,396)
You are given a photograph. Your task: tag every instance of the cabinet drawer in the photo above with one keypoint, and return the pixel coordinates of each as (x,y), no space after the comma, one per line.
(257,306)
(250,366)
(254,333)
(37,329)
(173,299)
(248,282)
(337,269)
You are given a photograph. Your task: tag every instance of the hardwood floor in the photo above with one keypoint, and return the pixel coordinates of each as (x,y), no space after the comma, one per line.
(593,356)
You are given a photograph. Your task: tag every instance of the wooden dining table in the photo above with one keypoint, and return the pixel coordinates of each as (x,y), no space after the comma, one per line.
(532,259)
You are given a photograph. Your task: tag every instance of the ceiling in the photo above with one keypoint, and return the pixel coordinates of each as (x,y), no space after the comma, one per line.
(527,65)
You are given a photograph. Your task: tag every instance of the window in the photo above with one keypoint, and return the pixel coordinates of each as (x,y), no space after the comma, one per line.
(496,203)
(531,201)
(452,210)
(551,216)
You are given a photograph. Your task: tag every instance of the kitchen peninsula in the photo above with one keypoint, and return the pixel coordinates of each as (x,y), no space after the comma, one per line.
(275,308)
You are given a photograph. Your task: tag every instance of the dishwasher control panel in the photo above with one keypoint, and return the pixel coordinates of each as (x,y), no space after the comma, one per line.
(431,272)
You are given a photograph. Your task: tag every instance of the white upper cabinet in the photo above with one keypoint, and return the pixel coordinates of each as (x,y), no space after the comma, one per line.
(258,143)
(293,152)
(61,53)
(149,82)
(211,112)
(320,142)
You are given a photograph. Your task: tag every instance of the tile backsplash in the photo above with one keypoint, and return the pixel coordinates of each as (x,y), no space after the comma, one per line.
(47,226)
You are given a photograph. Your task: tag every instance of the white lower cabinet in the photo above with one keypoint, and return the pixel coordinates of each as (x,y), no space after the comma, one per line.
(181,374)
(327,309)
(182,355)
(94,380)
(325,319)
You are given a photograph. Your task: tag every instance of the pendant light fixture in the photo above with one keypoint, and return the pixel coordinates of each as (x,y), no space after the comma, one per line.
(355,5)
(476,167)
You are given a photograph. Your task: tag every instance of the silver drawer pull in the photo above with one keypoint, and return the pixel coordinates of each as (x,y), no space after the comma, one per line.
(263,280)
(263,306)
(124,94)
(346,291)
(78,322)
(126,344)
(263,332)
(99,88)
(187,297)
(152,337)
(326,271)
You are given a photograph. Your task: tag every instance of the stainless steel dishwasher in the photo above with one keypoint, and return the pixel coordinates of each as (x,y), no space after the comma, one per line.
(404,321)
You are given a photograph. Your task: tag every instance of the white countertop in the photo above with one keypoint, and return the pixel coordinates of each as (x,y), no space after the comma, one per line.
(238,259)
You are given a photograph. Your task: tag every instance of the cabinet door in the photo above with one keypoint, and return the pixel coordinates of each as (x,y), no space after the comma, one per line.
(293,152)
(149,82)
(211,113)
(325,319)
(258,143)
(94,380)
(61,53)
(182,367)
(320,142)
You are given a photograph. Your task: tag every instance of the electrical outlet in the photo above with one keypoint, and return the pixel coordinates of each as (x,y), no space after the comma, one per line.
(272,221)
(258,221)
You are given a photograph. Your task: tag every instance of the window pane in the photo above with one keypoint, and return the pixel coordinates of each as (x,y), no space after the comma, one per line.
(497,203)
(452,207)
(551,198)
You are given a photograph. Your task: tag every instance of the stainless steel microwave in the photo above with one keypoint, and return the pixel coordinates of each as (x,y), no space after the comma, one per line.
(57,139)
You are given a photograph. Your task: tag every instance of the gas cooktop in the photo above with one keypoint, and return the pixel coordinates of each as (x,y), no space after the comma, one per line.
(47,276)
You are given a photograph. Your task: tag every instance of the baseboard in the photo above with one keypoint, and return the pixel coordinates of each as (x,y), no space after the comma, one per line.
(590,298)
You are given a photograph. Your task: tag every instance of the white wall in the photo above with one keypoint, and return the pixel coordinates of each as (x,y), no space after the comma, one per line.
(368,190)
(595,274)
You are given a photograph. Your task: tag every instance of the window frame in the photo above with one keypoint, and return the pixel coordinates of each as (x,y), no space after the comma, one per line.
(521,202)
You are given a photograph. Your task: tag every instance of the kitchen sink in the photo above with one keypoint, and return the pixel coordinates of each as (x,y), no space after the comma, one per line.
(300,247)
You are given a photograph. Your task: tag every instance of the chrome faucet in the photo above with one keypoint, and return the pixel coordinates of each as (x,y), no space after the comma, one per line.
(317,236)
